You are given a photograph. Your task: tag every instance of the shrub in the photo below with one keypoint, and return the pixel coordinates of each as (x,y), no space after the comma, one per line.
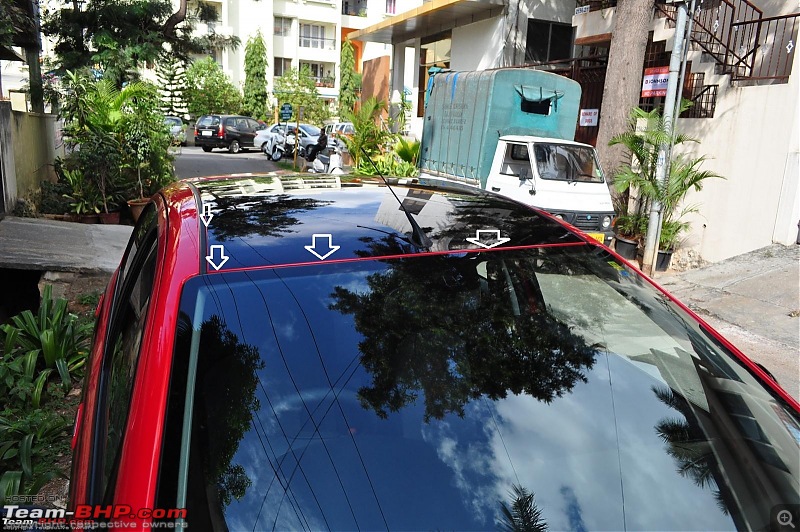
(35,348)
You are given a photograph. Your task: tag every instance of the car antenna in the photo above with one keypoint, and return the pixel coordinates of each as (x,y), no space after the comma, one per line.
(418,236)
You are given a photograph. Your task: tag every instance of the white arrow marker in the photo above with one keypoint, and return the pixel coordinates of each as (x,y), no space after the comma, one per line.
(328,248)
(212,260)
(207,215)
(495,238)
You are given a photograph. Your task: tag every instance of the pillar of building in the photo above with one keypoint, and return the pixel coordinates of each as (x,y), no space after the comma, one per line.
(397,85)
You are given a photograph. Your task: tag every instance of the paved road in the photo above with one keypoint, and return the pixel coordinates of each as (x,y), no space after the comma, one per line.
(194,162)
(753,300)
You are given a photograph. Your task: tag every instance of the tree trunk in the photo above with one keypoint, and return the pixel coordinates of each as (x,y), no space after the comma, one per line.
(623,77)
(175,19)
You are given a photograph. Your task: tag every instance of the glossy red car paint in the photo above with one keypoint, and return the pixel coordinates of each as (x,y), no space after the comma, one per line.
(179,258)
(178,249)
(82,439)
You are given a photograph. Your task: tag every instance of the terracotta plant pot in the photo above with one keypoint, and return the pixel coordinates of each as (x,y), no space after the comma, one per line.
(136,207)
(90,218)
(72,217)
(110,218)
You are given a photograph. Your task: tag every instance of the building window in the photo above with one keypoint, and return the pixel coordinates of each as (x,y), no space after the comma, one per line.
(283,26)
(547,41)
(282,66)
(390,7)
(312,36)
(316,69)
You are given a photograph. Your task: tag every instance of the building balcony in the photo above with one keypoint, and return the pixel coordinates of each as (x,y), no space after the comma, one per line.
(316,43)
(327,82)
(354,22)
(354,8)
(212,27)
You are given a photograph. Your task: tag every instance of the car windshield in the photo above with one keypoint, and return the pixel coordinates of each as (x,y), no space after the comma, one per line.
(312,131)
(173,121)
(567,163)
(442,392)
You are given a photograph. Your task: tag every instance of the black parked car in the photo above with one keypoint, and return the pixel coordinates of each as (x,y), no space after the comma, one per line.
(233,132)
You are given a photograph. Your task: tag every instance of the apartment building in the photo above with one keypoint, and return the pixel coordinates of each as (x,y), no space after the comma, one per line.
(297,33)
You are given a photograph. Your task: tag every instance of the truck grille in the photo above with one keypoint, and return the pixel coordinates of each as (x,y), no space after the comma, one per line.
(587,221)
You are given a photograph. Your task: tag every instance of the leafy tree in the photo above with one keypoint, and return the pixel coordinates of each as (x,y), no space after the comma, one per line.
(13,21)
(121,134)
(209,90)
(171,72)
(447,342)
(299,88)
(684,174)
(255,78)
(349,80)
(120,35)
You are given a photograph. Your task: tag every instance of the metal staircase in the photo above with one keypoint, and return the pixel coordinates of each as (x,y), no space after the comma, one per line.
(743,43)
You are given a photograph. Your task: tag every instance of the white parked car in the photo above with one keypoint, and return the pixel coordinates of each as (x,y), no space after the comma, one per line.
(336,130)
(308,133)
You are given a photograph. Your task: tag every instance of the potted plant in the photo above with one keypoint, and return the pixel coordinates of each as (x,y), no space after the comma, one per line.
(638,179)
(85,200)
(627,235)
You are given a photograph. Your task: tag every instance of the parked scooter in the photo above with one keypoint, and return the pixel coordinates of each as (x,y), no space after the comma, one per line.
(275,147)
(328,161)
(290,145)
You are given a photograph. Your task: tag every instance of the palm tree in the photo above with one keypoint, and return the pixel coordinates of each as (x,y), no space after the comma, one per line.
(369,134)
(523,515)
(639,176)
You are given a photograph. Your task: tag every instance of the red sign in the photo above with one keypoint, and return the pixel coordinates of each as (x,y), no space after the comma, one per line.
(655,82)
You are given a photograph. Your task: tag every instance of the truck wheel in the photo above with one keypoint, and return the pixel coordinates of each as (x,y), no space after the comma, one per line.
(234,146)
(276,154)
(206,149)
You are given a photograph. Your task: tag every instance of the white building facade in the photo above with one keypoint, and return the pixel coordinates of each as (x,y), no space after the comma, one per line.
(750,134)
(297,33)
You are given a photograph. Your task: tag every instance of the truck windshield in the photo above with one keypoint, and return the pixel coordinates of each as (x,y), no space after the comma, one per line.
(567,163)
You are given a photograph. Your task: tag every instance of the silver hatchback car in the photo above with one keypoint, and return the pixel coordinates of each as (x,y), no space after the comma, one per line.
(177,129)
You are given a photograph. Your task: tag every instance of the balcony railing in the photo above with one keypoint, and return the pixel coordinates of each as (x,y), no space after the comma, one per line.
(327,81)
(317,43)
(765,47)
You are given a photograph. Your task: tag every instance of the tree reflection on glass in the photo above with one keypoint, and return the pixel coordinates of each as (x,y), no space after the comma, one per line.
(227,376)
(521,514)
(456,329)
(689,447)
(243,215)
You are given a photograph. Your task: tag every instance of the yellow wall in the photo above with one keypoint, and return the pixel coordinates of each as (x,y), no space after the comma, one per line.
(34,149)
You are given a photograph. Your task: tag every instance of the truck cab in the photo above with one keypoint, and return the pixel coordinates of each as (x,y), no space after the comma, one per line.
(550,174)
